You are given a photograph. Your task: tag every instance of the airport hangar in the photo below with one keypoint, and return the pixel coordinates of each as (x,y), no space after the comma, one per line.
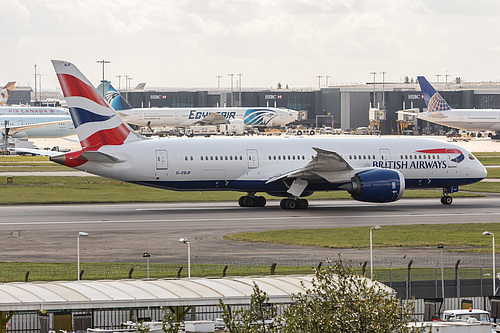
(78,305)
(346,106)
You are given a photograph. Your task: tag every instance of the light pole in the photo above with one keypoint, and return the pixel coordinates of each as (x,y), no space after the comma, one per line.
(231,76)
(185,241)
(487,233)
(441,246)
(374,96)
(80,234)
(319,81)
(147,255)
(103,62)
(377,227)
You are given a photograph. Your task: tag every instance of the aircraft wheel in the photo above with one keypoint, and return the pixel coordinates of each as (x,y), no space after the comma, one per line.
(260,201)
(241,201)
(283,203)
(299,132)
(446,200)
(291,204)
(250,202)
(302,204)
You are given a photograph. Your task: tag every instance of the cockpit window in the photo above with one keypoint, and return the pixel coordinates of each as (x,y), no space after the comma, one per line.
(471,157)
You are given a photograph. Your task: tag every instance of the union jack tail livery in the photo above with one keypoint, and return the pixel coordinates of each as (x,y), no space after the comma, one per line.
(432,98)
(95,122)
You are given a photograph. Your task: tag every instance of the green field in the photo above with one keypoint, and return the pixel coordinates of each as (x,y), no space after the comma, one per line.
(465,237)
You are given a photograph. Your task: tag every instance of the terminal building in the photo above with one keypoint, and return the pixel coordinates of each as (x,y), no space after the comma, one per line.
(345,107)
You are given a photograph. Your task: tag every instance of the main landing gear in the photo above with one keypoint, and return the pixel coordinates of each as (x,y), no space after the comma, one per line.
(294,203)
(252,201)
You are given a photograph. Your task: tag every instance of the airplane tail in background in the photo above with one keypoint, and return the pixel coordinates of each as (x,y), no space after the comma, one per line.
(432,98)
(6,91)
(116,100)
(95,122)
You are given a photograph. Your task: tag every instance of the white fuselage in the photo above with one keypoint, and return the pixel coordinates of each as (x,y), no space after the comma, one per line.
(246,164)
(183,117)
(465,119)
(37,126)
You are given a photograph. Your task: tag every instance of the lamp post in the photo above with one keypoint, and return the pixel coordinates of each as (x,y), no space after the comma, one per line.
(377,227)
(487,233)
(441,246)
(185,241)
(80,234)
(147,255)
(103,62)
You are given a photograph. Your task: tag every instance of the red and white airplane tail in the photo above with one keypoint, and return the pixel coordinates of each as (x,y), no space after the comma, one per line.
(95,122)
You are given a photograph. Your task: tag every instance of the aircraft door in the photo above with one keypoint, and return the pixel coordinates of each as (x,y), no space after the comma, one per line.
(161,160)
(252,158)
(385,155)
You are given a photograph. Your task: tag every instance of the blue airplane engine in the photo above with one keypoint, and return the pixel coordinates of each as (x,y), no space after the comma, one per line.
(378,185)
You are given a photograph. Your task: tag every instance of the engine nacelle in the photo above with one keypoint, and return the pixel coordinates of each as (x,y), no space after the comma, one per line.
(378,185)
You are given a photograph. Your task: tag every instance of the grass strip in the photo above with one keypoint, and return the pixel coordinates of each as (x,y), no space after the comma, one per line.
(465,235)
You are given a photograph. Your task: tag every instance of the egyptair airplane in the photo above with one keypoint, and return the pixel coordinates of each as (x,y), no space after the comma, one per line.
(371,169)
(183,117)
(439,112)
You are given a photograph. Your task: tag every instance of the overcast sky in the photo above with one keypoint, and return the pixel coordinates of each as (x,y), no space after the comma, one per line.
(187,43)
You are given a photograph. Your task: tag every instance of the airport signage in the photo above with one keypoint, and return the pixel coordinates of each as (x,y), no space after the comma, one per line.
(273,96)
(414,96)
(157,96)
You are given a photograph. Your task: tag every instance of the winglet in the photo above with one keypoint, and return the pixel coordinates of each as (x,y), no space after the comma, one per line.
(432,98)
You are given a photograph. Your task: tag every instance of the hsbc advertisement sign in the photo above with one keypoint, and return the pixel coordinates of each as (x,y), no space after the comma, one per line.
(273,97)
(158,96)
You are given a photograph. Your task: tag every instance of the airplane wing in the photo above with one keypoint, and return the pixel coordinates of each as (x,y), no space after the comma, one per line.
(37,151)
(213,119)
(327,165)
(21,128)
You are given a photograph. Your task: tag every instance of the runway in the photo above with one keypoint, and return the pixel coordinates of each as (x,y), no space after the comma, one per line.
(123,232)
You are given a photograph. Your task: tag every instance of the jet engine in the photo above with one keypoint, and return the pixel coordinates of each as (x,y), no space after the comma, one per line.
(378,185)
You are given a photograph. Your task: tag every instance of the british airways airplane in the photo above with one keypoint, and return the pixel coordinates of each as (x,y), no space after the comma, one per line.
(439,112)
(371,169)
(183,117)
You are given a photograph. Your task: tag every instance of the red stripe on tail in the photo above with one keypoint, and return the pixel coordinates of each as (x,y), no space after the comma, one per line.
(114,136)
(74,87)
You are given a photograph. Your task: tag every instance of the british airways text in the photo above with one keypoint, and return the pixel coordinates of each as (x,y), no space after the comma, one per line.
(193,114)
(410,164)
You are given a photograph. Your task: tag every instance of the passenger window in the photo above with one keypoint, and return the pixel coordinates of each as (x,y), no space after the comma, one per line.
(201,158)
(354,156)
(191,158)
(231,157)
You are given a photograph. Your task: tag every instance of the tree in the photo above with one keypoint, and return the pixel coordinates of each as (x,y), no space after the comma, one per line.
(258,318)
(169,324)
(342,301)
(338,301)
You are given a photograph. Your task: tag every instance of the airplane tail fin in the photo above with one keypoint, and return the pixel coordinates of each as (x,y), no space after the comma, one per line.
(432,98)
(6,91)
(95,122)
(116,100)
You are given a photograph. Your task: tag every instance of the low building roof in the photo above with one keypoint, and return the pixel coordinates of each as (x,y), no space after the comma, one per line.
(73,295)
